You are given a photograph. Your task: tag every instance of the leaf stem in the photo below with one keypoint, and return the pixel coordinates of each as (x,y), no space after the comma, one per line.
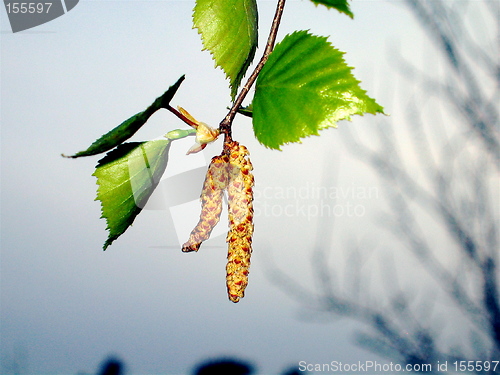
(225,125)
(182,117)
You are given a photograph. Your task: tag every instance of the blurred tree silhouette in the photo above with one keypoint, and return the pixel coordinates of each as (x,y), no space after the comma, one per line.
(444,177)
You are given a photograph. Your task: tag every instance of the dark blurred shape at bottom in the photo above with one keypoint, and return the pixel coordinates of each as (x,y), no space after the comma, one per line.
(223,366)
(112,366)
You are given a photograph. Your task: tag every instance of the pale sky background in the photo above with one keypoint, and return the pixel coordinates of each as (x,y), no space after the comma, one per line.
(66,304)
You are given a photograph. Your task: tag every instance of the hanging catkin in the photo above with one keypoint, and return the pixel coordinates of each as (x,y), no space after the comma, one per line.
(211,202)
(239,237)
(231,171)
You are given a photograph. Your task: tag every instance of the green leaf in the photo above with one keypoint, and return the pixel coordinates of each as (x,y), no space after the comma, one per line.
(229,31)
(127,176)
(305,86)
(129,127)
(341,5)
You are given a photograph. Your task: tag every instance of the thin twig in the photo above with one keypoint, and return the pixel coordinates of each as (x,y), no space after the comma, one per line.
(225,125)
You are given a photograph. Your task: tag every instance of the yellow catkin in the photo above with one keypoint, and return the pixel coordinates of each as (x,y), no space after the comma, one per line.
(211,202)
(239,237)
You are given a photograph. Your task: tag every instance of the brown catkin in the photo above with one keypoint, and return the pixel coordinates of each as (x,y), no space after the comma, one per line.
(239,237)
(211,202)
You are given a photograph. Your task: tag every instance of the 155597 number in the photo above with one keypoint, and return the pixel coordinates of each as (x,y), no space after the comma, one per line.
(28,7)
(477,366)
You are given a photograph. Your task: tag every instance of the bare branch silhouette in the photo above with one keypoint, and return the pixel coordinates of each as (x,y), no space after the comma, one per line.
(446,178)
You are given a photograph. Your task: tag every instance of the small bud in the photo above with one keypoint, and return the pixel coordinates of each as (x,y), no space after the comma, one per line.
(179,133)
(204,133)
